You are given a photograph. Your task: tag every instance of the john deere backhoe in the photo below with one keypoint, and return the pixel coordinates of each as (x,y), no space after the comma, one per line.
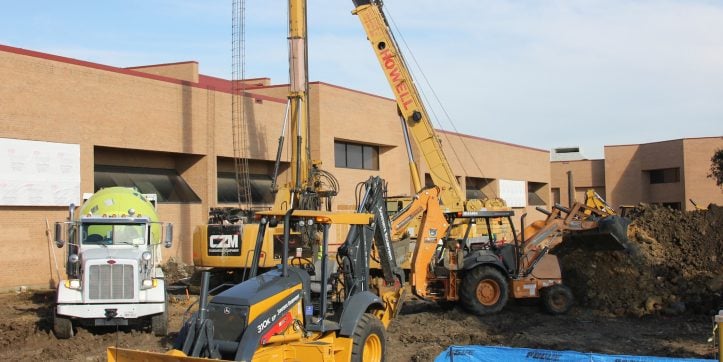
(464,249)
(335,311)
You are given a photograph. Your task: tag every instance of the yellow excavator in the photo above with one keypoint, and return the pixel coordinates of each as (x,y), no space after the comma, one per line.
(467,250)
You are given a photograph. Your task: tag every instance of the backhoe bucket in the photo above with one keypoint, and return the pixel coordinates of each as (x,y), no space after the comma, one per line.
(610,235)
(120,354)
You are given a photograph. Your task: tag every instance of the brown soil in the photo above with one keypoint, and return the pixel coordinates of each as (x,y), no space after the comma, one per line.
(657,301)
(673,266)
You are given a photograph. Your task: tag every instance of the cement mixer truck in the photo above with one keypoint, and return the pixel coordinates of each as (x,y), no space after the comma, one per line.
(113,251)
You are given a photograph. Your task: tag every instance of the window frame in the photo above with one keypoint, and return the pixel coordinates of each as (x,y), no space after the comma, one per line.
(668,175)
(366,158)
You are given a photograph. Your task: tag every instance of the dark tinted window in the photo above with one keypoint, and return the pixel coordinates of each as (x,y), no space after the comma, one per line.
(355,155)
(166,184)
(260,187)
(664,175)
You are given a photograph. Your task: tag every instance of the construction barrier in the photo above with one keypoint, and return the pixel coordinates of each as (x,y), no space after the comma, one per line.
(495,354)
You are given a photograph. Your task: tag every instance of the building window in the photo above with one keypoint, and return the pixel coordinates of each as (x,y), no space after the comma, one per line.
(356,155)
(479,188)
(664,175)
(537,194)
(260,187)
(166,184)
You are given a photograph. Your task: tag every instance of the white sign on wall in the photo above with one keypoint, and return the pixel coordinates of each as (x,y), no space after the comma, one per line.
(35,173)
(513,192)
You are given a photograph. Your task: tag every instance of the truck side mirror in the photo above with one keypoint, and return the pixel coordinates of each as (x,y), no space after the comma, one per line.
(168,239)
(59,242)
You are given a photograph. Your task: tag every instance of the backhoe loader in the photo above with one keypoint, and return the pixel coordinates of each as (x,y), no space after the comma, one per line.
(455,258)
(324,309)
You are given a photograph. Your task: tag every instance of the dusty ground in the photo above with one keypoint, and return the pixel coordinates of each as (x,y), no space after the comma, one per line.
(657,301)
(420,333)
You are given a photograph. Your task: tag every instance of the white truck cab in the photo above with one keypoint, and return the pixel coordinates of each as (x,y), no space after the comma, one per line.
(112,264)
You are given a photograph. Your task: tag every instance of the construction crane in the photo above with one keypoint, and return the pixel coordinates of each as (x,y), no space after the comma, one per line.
(458,255)
(226,243)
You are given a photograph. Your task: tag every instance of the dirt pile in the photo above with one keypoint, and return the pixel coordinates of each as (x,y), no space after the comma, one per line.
(175,271)
(673,265)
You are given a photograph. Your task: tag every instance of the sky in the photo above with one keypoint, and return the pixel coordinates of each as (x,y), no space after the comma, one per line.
(543,74)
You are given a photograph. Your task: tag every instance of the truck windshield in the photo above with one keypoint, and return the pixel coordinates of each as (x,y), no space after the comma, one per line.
(114,234)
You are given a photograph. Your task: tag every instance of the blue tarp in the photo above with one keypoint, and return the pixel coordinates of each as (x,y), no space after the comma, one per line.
(495,354)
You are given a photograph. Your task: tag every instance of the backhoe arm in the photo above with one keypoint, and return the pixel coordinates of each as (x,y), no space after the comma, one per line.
(432,228)
(358,244)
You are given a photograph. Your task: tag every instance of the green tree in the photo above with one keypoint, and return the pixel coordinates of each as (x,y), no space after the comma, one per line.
(716,167)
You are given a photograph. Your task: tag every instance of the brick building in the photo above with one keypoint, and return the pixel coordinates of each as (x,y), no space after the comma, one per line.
(668,173)
(167,129)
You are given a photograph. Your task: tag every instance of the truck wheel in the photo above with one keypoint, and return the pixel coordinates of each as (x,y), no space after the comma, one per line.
(368,340)
(62,327)
(159,324)
(484,290)
(557,299)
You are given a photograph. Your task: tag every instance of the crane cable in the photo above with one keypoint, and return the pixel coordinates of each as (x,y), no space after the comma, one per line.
(439,102)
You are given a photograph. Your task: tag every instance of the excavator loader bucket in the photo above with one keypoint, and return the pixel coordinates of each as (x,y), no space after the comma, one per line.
(611,234)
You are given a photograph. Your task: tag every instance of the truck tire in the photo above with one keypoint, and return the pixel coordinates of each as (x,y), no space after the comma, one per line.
(484,290)
(557,299)
(159,322)
(368,340)
(62,327)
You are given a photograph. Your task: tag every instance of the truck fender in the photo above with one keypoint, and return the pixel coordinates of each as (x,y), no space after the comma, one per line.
(355,307)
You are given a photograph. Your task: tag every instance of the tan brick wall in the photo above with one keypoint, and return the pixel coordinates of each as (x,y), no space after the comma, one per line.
(698,186)
(625,177)
(586,174)
(628,182)
(482,158)
(27,256)
(187,71)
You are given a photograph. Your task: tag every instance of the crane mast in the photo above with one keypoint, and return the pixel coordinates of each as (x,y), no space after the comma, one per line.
(409,103)
(298,91)
(297,111)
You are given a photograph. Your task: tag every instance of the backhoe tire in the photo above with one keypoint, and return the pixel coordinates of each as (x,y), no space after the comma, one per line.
(369,343)
(484,290)
(62,327)
(557,299)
